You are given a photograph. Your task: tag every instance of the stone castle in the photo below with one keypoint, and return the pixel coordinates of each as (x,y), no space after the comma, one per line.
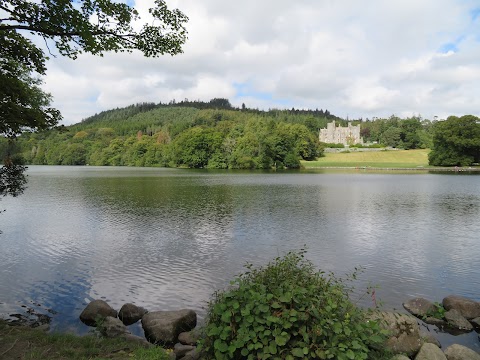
(349,135)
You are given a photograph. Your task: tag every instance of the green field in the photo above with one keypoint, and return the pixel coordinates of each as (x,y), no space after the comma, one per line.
(378,159)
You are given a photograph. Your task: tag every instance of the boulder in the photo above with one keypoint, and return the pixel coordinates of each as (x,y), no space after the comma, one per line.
(95,310)
(181,350)
(459,352)
(112,327)
(130,313)
(420,307)
(468,308)
(195,354)
(456,320)
(430,352)
(476,323)
(188,338)
(404,332)
(137,339)
(429,338)
(163,327)
(434,321)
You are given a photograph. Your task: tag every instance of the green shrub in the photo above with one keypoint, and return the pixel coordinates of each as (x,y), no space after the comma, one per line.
(332,145)
(287,310)
(437,312)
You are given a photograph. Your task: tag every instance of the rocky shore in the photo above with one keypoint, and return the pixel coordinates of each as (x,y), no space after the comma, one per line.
(176,330)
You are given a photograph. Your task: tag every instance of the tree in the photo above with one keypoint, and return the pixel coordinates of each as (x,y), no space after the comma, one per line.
(391,137)
(73,27)
(456,142)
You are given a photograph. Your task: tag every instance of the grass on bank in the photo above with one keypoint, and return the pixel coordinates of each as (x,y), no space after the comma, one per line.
(19,342)
(377,159)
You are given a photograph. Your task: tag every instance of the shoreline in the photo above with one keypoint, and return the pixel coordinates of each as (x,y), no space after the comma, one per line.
(434,169)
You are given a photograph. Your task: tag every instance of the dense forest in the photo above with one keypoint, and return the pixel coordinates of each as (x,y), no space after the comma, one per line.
(211,134)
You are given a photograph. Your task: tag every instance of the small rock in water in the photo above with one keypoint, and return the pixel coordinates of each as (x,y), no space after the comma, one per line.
(188,338)
(420,307)
(130,313)
(113,327)
(455,319)
(468,308)
(163,327)
(97,309)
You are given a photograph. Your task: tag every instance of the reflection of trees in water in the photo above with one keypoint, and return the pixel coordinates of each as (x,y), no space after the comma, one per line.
(12,177)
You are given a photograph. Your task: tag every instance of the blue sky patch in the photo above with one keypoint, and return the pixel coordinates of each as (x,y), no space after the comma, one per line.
(445,48)
(475,13)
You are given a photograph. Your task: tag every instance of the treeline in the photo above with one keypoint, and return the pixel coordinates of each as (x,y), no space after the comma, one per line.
(179,137)
(409,133)
(220,136)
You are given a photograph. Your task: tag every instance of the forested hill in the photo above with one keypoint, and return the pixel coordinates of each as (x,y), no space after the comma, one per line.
(192,134)
(205,135)
(214,104)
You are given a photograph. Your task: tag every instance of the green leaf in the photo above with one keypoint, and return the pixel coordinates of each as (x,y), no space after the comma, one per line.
(297,352)
(281,340)
(286,298)
(350,354)
(220,346)
(275,305)
(273,348)
(226,317)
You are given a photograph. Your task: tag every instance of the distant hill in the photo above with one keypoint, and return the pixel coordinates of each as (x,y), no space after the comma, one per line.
(198,134)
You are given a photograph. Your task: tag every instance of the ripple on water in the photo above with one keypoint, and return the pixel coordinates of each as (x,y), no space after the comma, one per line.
(165,241)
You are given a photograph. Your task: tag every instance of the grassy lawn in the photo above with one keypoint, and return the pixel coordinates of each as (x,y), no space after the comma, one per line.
(18,342)
(377,159)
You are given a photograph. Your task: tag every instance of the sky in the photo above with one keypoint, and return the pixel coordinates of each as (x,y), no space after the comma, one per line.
(358,59)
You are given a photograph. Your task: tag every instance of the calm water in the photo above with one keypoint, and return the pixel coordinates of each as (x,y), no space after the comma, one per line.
(167,238)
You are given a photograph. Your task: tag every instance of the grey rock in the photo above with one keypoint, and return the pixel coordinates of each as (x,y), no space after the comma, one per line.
(468,308)
(137,339)
(193,355)
(434,321)
(181,350)
(404,332)
(130,313)
(476,323)
(163,327)
(188,338)
(459,352)
(429,338)
(430,352)
(420,307)
(97,309)
(112,327)
(455,319)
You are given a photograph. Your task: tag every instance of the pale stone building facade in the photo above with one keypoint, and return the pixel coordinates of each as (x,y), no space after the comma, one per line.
(349,135)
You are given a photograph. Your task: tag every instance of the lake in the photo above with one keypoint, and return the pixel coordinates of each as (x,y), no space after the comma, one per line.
(168,238)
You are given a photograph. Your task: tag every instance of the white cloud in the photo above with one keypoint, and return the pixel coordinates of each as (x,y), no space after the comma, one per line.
(357,59)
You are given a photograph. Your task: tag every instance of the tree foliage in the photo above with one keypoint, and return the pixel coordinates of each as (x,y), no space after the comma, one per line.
(72,27)
(176,136)
(456,142)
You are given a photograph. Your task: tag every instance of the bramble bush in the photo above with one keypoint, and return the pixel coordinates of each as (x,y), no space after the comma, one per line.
(288,310)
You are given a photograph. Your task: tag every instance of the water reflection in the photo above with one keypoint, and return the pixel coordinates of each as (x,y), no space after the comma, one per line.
(168,238)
